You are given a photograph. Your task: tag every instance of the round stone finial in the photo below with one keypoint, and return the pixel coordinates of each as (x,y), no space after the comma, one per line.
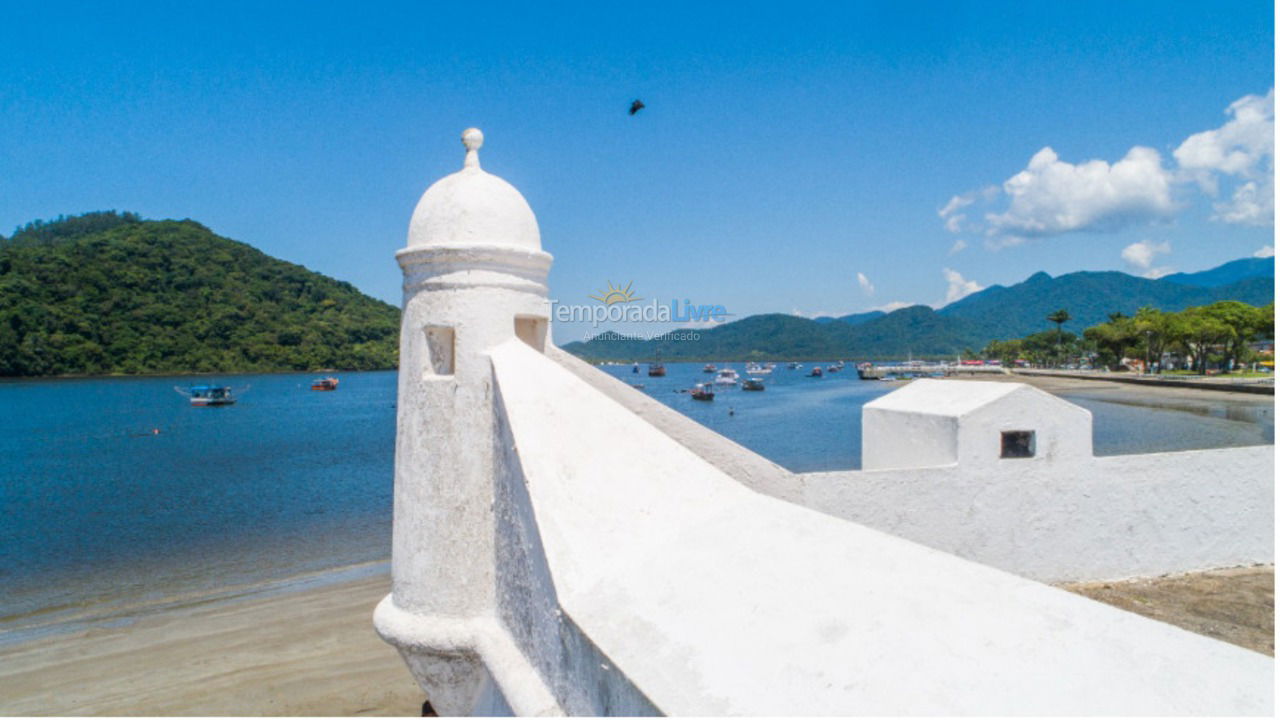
(472,139)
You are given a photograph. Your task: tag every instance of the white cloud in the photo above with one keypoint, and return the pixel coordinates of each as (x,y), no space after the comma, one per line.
(957,221)
(1052,197)
(1265,251)
(1141,255)
(866,285)
(957,286)
(891,306)
(1250,204)
(957,246)
(1240,146)
(814,314)
(1244,149)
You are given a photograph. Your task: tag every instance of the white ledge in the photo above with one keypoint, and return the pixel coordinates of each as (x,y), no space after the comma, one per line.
(713,599)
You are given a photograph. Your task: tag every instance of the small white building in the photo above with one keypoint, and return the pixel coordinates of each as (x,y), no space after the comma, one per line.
(946,422)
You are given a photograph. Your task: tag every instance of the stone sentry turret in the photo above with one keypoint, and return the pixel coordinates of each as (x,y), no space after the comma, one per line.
(474,277)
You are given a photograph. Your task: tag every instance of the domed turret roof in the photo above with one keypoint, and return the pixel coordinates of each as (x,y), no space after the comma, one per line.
(472,207)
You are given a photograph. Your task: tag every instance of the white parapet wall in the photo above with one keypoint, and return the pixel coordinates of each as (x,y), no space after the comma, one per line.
(563,545)
(1104,518)
(691,594)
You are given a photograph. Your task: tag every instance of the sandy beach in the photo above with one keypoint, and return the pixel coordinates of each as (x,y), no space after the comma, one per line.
(312,652)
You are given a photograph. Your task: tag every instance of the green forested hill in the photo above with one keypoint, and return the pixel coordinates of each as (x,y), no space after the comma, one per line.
(112,293)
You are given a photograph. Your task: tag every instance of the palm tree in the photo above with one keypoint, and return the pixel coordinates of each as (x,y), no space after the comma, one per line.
(1059,317)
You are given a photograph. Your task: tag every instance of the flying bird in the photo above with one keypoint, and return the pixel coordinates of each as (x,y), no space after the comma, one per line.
(636,106)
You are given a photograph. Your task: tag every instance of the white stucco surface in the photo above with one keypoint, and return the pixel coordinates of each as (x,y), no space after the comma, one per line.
(1105,518)
(472,207)
(663,561)
(565,545)
(742,464)
(939,422)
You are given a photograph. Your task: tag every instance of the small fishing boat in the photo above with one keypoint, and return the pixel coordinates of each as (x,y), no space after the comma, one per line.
(657,370)
(727,376)
(635,367)
(815,372)
(793,366)
(709,368)
(208,395)
(753,384)
(703,391)
(325,383)
(833,368)
(757,369)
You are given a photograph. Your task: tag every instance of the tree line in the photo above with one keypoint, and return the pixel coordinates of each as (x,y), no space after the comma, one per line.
(1216,335)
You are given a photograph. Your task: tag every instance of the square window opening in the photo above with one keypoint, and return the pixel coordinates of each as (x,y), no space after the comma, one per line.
(1018,444)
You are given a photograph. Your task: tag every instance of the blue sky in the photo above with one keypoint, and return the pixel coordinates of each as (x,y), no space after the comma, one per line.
(785,148)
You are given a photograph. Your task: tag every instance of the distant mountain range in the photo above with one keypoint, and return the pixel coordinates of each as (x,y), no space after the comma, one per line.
(995,313)
(1227,273)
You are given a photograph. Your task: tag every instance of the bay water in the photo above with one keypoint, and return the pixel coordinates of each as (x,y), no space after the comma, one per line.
(117,497)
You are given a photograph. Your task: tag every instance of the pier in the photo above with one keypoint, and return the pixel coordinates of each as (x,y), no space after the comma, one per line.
(878,372)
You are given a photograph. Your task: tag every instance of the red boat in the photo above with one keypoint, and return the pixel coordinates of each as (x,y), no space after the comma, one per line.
(327,383)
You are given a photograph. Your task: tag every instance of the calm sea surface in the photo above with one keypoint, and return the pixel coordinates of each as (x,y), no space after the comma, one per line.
(102,516)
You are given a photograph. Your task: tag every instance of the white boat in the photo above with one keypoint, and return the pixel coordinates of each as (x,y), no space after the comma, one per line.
(727,376)
(754,369)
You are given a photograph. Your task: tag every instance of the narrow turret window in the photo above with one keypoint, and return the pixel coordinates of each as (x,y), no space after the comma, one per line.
(532,330)
(439,350)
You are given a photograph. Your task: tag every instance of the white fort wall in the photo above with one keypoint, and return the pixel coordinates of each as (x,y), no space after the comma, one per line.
(564,545)
(1089,518)
(705,597)
(1104,518)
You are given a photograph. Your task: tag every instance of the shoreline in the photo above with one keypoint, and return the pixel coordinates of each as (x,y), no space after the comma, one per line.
(1059,383)
(1188,382)
(154,376)
(307,650)
(108,615)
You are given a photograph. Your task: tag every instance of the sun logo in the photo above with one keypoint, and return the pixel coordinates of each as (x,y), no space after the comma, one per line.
(615,295)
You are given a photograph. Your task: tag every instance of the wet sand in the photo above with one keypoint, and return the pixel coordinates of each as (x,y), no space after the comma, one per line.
(311,653)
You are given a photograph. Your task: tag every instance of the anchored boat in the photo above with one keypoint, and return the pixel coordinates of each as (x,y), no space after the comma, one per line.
(208,395)
(325,383)
(727,376)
